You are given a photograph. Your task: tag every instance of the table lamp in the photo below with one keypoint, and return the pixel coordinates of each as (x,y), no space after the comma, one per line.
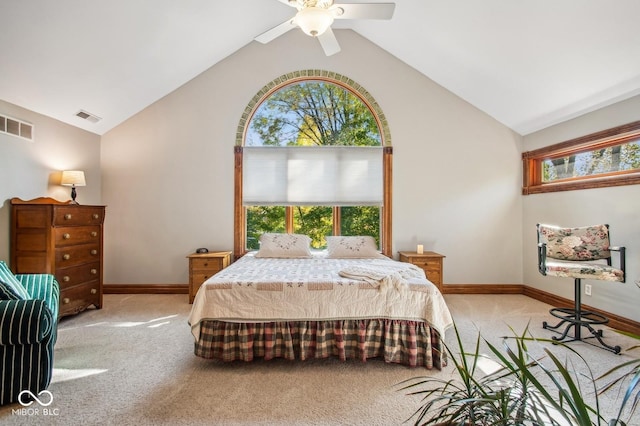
(73,178)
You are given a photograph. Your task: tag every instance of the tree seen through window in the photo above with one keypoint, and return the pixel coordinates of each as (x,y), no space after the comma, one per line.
(618,158)
(313,113)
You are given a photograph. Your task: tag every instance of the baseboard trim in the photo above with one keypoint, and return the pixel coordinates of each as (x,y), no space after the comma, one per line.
(482,289)
(146,289)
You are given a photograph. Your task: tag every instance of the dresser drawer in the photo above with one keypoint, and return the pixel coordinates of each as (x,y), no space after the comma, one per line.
(71,235)
(422,263)
(200,276)
(214,264)
(76,255)
(69,277)
(76,299)
(77,215)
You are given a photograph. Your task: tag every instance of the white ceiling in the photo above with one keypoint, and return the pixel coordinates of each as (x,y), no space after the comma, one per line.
(527,63)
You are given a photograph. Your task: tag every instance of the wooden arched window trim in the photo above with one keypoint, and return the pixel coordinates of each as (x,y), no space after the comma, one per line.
(239,249)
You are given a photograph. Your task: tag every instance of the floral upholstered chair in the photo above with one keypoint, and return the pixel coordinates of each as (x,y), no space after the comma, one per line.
(578,253)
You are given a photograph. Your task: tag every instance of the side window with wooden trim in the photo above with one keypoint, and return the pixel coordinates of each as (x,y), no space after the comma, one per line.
(607,158)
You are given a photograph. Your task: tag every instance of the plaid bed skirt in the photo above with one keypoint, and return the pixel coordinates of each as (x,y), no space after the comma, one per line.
(411,343)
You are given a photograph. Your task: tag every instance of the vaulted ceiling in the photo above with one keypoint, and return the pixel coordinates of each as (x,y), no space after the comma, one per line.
(527,63)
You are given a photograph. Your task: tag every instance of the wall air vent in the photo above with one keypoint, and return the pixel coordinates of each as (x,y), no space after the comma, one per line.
(15,127)
(88,116)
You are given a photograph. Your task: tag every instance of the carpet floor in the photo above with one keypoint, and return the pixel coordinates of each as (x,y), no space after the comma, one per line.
(132,363)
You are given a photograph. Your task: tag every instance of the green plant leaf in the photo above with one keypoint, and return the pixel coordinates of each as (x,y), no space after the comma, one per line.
(514,393)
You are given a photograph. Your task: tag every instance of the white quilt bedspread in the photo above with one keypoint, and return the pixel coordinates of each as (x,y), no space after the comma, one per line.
(266,289)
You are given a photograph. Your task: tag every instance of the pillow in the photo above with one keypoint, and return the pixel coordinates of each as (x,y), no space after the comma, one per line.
(7,293)
(10,280)
(362,247)
(284,246)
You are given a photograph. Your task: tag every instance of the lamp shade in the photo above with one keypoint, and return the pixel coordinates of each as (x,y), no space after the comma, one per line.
(314,20)
(73,178)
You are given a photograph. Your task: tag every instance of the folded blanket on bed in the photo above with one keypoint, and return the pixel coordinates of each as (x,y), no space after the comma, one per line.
(381,276)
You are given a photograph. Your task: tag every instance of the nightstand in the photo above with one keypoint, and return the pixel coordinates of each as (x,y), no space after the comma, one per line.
(430,261)
(203,266)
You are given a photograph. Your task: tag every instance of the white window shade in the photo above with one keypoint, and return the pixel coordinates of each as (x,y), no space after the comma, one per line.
(304,175)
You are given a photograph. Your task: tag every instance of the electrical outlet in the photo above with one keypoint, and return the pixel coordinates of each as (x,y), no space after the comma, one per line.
(587,289)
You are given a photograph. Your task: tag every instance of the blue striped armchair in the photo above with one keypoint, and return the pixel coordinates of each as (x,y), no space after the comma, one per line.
(28,331)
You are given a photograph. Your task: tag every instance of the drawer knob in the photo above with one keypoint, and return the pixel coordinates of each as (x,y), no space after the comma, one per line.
(94,271)
(66,278)
(66,236)
(67,216)
(96,216)
(94,234)
(94,291)
(66,300)
(66,256)
(94,252)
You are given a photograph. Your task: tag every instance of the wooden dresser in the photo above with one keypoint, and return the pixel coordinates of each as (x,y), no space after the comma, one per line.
(204,265)
(63,239)
(430,261)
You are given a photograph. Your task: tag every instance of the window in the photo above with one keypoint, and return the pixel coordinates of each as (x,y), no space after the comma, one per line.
(309,182)
(312,161)
(315,221)
(607,158)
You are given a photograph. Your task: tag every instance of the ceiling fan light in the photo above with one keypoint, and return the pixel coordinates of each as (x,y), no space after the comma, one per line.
(314,20)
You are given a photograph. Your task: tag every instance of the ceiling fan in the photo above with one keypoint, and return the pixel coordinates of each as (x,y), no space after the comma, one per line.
(315,17)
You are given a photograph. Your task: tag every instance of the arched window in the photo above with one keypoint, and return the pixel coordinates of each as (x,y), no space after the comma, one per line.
(313,159)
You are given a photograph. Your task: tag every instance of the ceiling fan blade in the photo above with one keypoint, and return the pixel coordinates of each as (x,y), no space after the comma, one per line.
(364,10)
(276,31)
(329,42)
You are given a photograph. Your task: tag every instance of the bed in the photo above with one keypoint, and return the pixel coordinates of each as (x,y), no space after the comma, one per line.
(320,305)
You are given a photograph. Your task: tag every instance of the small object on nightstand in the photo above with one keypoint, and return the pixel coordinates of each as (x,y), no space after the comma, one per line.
(429,261)
(202,250)
(203,266)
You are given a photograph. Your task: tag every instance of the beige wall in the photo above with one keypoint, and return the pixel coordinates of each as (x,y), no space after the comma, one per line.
(619,207)
(168,171)
(31,169)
